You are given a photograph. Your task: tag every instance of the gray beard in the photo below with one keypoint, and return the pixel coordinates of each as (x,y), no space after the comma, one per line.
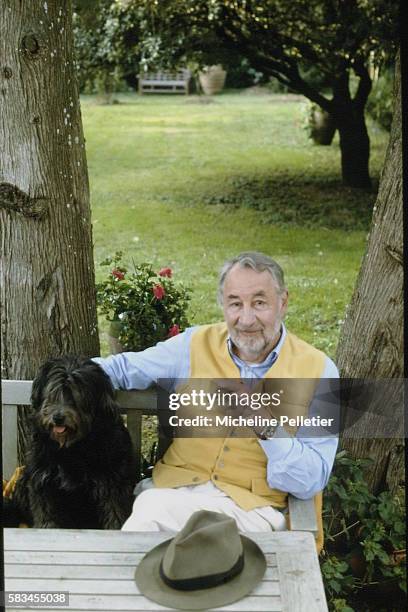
(253,346)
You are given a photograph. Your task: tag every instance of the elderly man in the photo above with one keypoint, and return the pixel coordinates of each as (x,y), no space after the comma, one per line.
(247,478)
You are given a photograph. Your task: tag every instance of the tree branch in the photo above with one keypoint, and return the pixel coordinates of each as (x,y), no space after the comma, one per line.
(287,74)
(277,63)
(364,86)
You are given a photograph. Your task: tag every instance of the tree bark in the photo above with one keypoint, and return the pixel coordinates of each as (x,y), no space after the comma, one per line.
(47,273)
(348,114)
(371,342)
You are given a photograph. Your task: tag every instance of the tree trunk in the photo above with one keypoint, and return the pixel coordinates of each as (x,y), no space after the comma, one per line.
(355,148)
(47,274)
(371,343)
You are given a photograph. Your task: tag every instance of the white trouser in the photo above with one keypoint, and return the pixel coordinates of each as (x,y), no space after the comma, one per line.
(157,509)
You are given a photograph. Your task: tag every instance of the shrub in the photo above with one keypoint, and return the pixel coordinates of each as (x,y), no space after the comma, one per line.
(365,537)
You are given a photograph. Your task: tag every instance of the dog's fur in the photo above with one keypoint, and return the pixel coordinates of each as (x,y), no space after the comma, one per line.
(80,467)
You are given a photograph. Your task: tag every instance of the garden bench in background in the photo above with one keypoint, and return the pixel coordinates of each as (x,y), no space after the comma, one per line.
(165,82)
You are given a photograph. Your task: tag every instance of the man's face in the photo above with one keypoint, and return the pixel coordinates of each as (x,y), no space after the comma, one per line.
(253,311)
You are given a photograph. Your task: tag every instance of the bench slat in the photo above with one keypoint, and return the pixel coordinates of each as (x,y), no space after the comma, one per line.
(9,441)
(302,514)
(138,400)
(16,392)
(163,82)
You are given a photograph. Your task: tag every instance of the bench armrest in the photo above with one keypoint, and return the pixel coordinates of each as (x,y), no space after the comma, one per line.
(302,514)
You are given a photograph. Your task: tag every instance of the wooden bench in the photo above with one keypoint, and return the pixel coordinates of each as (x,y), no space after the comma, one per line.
(133,404)
(165,82)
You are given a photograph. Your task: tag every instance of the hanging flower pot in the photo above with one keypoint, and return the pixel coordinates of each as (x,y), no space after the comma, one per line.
(212,79)
(113,338)
(321,126)
(143,306)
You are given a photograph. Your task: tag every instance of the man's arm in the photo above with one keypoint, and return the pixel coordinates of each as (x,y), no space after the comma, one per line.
(302,465)
(168,360)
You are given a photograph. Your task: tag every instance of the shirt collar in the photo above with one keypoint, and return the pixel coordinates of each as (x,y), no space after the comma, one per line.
(269,360)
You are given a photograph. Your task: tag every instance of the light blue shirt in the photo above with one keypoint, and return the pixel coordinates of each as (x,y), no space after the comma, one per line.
(300,465)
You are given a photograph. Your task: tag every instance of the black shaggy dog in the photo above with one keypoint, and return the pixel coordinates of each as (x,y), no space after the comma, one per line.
(80,467)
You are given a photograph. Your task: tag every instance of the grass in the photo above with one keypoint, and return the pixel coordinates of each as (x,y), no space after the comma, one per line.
(185,184)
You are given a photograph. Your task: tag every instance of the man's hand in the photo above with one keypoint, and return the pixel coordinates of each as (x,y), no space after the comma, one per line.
(246,410)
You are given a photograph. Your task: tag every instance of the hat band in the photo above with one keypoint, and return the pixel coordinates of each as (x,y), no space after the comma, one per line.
(203,582)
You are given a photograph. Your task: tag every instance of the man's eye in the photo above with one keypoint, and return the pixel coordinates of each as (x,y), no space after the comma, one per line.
(234,304)
(260,303)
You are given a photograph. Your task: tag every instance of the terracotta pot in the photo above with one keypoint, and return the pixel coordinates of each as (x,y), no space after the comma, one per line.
(212,79)
(113,334)
(322,127)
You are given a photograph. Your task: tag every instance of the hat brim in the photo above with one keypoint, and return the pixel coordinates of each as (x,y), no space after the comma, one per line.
(150,584)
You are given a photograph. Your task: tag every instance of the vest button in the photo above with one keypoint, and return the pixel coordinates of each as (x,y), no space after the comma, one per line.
(196,479)
(226,448)
(215,477)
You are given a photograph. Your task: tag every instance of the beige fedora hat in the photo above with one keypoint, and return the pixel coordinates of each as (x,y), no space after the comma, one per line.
(207,564)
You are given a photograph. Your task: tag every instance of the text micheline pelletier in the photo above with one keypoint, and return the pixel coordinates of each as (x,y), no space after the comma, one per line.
(228,400)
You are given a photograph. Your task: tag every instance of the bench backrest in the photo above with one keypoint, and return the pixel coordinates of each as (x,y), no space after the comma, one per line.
(181,75)
(164,82)
(133,404)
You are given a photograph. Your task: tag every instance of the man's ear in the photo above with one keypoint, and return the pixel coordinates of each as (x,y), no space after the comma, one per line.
(284,302)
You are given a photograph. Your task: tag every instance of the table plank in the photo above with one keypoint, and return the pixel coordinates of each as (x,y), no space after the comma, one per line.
(128,541)
(301,583)
(96,558)
(137,603)
(104,587)
(87,572)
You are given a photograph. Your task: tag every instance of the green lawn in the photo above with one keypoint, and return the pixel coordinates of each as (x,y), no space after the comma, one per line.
(187,184)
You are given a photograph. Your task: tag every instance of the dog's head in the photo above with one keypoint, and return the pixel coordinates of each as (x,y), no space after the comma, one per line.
(71,396)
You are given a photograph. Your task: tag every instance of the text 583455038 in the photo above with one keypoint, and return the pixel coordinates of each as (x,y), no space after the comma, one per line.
(33,599)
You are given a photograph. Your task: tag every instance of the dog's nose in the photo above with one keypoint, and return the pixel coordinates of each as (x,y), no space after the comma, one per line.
(58,418)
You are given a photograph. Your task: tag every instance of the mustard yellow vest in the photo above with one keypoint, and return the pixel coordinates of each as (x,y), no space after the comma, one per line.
(237,466)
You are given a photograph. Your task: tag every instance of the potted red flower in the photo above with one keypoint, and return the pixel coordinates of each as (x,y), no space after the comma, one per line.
(143,306)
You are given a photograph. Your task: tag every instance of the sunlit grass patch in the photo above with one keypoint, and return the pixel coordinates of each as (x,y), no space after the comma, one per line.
(188,184)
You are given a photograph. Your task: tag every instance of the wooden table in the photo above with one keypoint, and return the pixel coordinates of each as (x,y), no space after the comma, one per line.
(97,568)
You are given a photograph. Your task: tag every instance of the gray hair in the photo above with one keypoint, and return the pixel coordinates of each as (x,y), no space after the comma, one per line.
(258,262)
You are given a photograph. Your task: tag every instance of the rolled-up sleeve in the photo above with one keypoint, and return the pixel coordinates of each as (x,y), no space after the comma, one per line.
(167,360)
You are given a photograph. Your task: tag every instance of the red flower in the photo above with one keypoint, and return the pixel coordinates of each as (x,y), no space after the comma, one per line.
(174,330)
(166,272)
(158,292)
(118,274)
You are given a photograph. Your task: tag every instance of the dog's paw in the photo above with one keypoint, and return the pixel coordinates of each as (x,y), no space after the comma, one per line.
(47,525)
(112,524)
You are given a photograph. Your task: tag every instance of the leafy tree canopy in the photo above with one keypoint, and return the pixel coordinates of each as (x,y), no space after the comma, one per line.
(285,40)
(289,40)
(279,38)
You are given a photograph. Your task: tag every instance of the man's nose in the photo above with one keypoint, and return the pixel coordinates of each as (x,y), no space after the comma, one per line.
(247,316)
